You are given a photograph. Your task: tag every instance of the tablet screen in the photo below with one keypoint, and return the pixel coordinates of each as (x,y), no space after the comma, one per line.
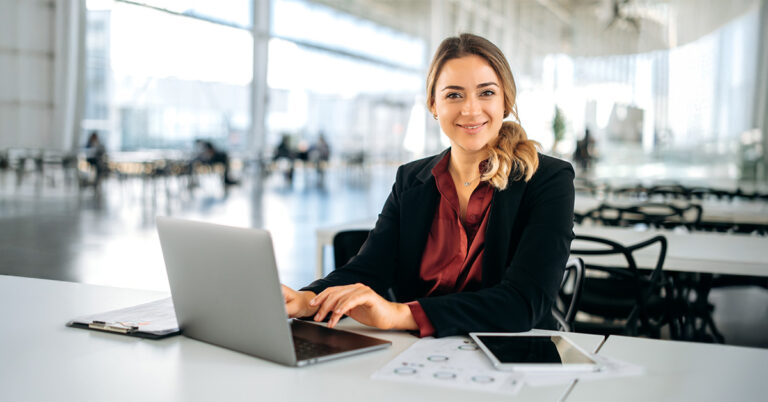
(522,349)
(534,350)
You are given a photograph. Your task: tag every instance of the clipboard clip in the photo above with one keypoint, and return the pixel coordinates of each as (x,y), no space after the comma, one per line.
(118,327)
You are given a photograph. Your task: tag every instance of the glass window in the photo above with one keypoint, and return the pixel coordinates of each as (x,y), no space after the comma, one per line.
(173,80)
(353,81)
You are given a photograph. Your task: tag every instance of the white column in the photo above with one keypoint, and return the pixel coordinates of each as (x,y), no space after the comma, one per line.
(259,90)
(68,73)
(437,33)
(438,30)
(761,88)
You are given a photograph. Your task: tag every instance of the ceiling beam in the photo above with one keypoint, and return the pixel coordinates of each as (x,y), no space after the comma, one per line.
(559,11)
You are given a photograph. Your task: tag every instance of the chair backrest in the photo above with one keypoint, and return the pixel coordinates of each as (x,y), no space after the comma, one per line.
(670,191)
(644,283)
(637,191)
(654,214)
(703,193)
(567,304)
(346,244)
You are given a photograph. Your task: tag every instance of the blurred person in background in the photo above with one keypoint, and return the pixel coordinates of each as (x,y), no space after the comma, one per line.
(285,154)
(320,153)
(96,156)
(207,154)
(584,153)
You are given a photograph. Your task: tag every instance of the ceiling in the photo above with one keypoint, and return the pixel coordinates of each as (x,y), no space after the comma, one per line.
(575,27)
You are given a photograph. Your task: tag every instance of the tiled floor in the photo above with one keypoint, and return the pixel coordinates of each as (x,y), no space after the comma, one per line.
(56,231)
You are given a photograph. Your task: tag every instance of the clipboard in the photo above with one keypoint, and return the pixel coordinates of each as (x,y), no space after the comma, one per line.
(153,320)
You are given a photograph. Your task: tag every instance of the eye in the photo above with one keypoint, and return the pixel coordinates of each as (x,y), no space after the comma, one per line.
(488,92)
(453,95)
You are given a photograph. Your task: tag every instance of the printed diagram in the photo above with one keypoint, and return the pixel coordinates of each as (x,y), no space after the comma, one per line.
(450,362)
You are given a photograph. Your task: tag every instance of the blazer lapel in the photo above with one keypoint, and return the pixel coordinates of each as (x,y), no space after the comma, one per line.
(498,234)
(419,205)
(417,211)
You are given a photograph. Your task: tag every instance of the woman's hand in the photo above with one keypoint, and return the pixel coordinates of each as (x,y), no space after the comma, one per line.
(297,303)
(362,304)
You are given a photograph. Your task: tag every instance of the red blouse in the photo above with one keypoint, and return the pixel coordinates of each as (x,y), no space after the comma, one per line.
(453,256)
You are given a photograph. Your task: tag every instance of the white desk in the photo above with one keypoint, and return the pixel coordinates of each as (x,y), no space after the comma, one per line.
(712,211)
(679,371)
(703,252)
(42,360)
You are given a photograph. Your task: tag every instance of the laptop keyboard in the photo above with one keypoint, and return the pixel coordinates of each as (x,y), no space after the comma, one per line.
(306,349)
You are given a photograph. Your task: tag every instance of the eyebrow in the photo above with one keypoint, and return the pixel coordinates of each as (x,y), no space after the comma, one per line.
(483,85)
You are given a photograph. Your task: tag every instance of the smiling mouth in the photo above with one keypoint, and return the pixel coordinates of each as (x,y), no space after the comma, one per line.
(471,127)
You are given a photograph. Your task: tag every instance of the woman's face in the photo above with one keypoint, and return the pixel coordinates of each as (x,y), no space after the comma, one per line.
(469,103)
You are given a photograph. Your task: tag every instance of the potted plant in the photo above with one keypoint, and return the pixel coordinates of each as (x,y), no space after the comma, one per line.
(558,127)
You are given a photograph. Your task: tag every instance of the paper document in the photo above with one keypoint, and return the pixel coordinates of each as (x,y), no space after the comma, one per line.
(454,362)
(458,363)
(155,318)
(609,368)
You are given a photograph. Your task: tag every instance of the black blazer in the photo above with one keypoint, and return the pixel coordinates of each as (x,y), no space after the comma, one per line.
(527,243)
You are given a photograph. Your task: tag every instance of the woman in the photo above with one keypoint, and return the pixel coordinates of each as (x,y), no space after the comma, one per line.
(473,239)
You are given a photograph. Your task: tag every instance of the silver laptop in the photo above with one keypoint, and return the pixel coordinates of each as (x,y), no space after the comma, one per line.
(226,291)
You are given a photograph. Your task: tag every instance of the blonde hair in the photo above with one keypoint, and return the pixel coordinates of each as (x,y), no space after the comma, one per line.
(512,155)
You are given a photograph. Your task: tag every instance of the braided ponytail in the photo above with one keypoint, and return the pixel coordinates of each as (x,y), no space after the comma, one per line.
(513,156)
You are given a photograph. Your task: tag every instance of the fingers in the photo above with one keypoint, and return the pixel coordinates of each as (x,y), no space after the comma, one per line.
(296,302)
(288,293)
(328,298)
(346,304)
(342,300)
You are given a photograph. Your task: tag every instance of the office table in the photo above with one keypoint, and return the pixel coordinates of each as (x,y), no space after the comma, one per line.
(41,359)
(680,371)
(737,211)
(702,252)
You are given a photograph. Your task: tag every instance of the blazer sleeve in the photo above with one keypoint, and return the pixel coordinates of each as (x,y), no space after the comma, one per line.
(375,263)
(530,283)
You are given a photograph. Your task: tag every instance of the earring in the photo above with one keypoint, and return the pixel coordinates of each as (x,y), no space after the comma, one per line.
(435,116)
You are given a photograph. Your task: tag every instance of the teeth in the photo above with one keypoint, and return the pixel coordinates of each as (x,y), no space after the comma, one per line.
(473,127)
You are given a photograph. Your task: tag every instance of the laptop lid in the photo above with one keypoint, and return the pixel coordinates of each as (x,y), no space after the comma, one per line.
(226,291)
(225,287)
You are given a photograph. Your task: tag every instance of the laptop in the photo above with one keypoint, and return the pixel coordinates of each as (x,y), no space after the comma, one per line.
(226,291)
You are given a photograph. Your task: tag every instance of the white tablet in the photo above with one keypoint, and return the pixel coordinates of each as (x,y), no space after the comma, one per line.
(525,352)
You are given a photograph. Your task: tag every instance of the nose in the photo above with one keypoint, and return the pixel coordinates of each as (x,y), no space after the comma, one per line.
(471,106)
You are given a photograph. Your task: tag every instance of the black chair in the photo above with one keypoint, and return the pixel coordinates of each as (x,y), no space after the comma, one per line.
(589,187)
(695,288)
(346,244)
(633,191)
(567,303)
(653,214)
(667,191)
(703,193)
(622,298)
